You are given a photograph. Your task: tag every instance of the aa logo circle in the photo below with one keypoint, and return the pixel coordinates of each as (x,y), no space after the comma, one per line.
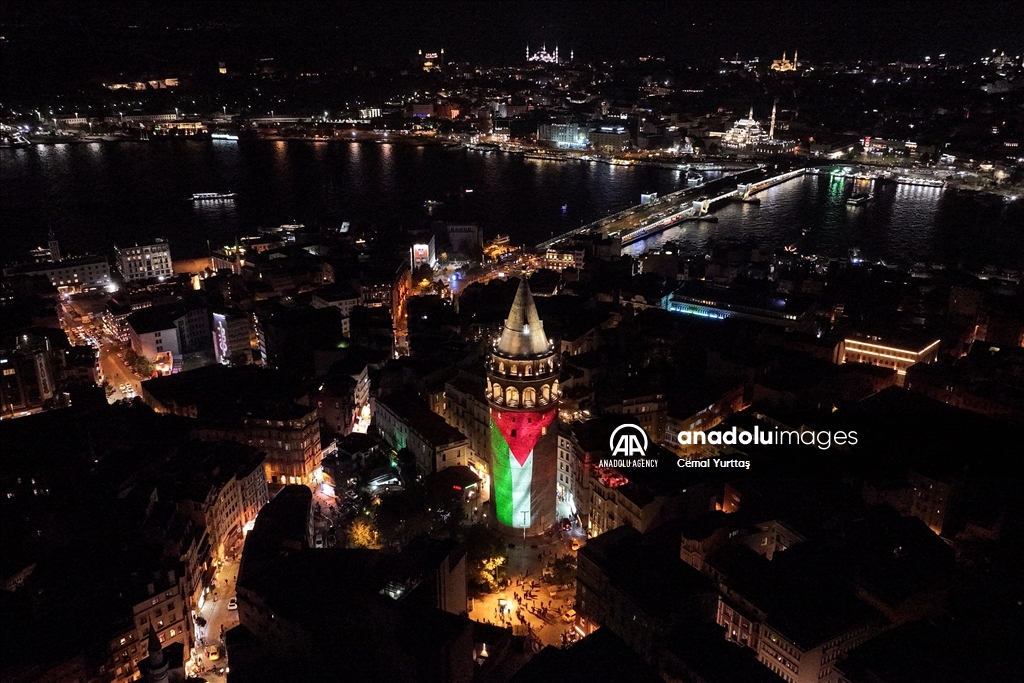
(628,441)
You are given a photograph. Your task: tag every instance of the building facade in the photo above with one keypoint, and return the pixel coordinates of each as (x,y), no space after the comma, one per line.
(231,509)
(144,262)
(893,354)
(232,337)
(177,329)
(406,423)
(523,393)
(161,610)
(81,274)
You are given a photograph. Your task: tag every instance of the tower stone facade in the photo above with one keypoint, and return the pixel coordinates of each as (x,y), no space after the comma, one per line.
(523,393)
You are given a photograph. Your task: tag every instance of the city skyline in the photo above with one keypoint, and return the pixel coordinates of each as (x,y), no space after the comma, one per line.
(511,343)
(98,40)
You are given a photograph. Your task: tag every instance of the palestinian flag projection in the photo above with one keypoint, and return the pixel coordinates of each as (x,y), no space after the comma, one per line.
(523,395)
(513,437)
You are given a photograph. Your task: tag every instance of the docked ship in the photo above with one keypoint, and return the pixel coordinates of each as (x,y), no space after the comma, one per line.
(859,198)
(693,177)
(212,196)
(923,182)
(13,139)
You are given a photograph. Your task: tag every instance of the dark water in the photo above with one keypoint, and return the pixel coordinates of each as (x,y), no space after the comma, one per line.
(94,195)
(903,223)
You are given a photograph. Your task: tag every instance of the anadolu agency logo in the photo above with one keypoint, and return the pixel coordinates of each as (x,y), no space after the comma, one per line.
(628,444)
(628,441)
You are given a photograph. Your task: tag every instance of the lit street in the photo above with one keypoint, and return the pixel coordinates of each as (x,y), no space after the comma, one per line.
(116,372)
(526,615)
(219,619)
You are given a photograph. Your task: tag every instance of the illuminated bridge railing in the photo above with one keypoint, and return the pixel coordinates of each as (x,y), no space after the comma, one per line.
(754,188)
(667,199)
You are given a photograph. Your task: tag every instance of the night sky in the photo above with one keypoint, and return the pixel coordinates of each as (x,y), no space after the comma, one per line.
(57,43)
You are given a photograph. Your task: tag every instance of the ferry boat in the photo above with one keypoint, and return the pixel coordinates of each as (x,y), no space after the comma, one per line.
(693,177)
(923,182)
(859,198)
(223,136)
(212,196)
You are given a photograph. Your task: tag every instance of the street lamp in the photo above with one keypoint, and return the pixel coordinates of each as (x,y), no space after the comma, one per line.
(526,523)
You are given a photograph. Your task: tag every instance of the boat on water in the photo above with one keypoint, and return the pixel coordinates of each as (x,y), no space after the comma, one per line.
(859,198)
(923,182)
(212,196)
(12,140)
(693,177)
(223,136)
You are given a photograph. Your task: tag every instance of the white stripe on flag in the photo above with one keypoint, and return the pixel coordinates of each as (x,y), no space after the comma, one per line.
(522,483)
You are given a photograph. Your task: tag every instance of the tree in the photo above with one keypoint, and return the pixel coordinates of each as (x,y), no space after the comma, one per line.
(563,570)
(142,366)
(363,534)
(422,272)
(485,558)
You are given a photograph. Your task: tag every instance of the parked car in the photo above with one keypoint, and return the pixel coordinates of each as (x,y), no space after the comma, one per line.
(233,604)
(319,541)
(214,653)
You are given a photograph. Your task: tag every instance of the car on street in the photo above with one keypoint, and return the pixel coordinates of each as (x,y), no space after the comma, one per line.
(233,604)
(214,653)
(319,541)
(568,617)
(575,545)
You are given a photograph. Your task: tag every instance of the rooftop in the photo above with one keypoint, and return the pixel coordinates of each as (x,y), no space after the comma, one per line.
(224,394)
(523,335)
(420,418)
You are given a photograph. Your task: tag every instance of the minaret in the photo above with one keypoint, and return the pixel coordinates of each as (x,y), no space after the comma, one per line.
(54,247)
(523,393)
(527,52)
(750,116)
(556,54)
(158,667)
(771,129)
(796,62)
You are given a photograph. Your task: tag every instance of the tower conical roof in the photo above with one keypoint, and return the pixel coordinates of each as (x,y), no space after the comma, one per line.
(523,334)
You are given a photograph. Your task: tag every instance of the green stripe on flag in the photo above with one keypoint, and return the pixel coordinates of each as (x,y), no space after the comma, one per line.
(502,476)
